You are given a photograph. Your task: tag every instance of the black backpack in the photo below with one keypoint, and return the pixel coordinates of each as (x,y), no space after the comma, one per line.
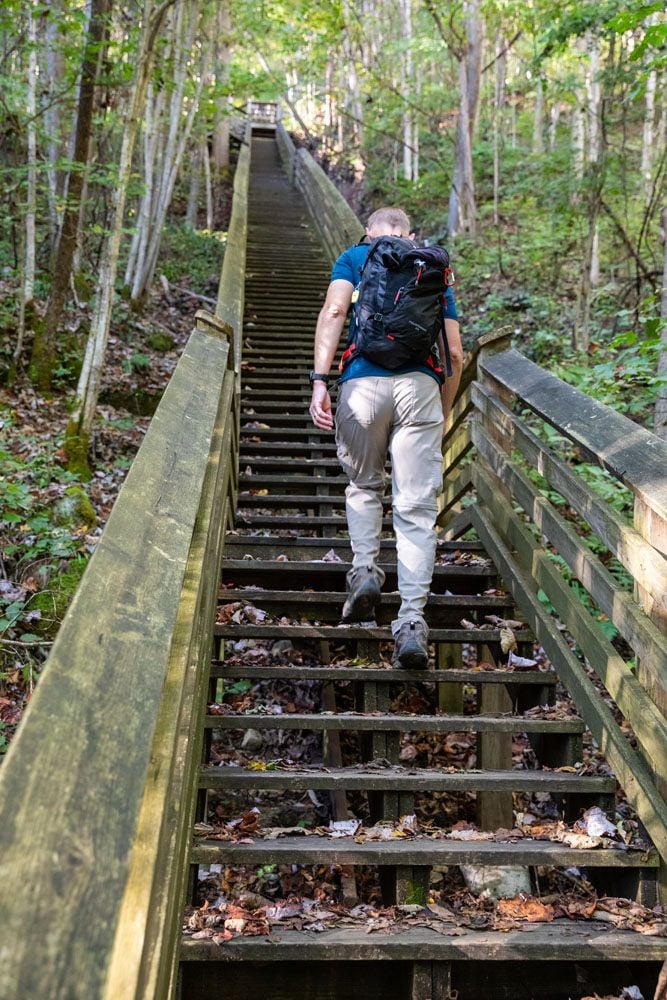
(398,312)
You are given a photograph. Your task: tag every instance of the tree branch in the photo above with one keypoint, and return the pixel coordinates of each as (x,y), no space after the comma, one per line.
(500,54)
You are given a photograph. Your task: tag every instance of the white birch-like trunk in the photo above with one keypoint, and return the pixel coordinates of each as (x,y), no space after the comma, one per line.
(578,142)
(647,136)
(193,193)
(462,205)
(28,282)
(223,59)
(662,121)
(168,160)
(55,67)
(538,118)
(406,87)
(152,116)
(594,91)
(498,102)
(208,186)
(660,423)
(90,379)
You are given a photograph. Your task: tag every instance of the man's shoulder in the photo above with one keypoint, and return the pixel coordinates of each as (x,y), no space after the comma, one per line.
(350,262)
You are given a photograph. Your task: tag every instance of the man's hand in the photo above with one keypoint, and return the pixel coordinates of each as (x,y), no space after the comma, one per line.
(320,407)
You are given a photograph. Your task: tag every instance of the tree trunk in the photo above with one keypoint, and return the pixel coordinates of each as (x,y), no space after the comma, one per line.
(27,309)
(168,162)
(647,138)
(80,424)
(594,180)
(498,102)
(462,212)
(207,185)
(223,59)
(44,345)
(660,423)
(193,195)
(538,119)
(406,86)
(578,144)
(54,64)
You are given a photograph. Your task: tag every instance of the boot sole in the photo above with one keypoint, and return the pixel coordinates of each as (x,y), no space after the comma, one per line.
(414,658)
(362,608)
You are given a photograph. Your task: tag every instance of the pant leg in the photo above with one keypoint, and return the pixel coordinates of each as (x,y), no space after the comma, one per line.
(415,446)
(363,425)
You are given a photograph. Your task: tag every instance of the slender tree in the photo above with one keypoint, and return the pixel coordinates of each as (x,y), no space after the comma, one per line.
(44,344)
(81,422)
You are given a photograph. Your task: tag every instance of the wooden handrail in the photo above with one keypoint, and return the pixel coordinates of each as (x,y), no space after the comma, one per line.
(334,220)
(503,381)
(98,789)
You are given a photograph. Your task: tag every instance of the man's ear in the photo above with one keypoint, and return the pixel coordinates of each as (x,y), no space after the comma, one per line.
(411,236)
(368,233)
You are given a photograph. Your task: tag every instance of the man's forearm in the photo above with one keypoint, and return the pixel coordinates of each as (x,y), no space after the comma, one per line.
(327,335)
(451,386)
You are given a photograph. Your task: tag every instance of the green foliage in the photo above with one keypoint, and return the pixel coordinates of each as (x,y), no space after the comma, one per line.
(136,362)
(238,687)
(190,254)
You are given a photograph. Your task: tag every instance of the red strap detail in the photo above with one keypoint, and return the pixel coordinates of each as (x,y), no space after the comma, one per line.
(347,354)
(431,363)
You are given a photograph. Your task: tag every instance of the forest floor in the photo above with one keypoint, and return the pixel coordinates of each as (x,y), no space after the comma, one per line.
(50,520)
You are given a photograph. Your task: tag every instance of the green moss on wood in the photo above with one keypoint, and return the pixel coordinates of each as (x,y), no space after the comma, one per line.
(162,342)
(54,601)
(76,448)
(74,509)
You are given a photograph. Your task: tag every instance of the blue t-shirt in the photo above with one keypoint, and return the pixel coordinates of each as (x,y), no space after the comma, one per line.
(349,266)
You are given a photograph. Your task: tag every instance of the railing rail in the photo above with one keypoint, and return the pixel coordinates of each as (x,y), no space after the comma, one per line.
(335,221)
(97,791)
(523,527)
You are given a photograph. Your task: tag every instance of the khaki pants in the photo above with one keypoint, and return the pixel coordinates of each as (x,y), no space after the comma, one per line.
(401,414)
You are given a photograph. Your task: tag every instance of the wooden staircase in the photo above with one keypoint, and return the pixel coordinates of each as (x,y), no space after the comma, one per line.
(287,556)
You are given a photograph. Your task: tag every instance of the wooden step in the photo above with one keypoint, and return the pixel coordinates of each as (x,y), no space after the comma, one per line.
(384,675)
(270,546)
(561,940)
(330,575)
(358,722)
(316,850)
(326,605)
(338,633)
(397,779)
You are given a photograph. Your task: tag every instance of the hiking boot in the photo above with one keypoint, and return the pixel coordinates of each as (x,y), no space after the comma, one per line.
(411,650)
(363,595)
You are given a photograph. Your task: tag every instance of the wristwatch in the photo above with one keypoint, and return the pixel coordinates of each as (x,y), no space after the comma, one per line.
(318,377)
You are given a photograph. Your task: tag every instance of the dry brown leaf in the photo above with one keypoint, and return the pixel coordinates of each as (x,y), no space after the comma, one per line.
(508,641)
(526,908)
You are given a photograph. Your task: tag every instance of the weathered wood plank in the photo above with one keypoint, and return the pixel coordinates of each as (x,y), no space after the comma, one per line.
(351,721)
(68,817)
(351,632)
(649,724)
(632,772)
(638,556)
(308,850)
(441,676)
(403,780)
(632,454)
(558,941)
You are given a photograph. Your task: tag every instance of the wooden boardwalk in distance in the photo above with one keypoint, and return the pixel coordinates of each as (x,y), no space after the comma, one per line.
(117,759)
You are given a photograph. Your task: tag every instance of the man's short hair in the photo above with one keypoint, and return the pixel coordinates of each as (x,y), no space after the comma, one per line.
(394,217)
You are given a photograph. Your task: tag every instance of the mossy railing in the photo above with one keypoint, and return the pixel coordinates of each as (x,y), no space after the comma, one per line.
(97,791)
(336,223)
(528,503)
